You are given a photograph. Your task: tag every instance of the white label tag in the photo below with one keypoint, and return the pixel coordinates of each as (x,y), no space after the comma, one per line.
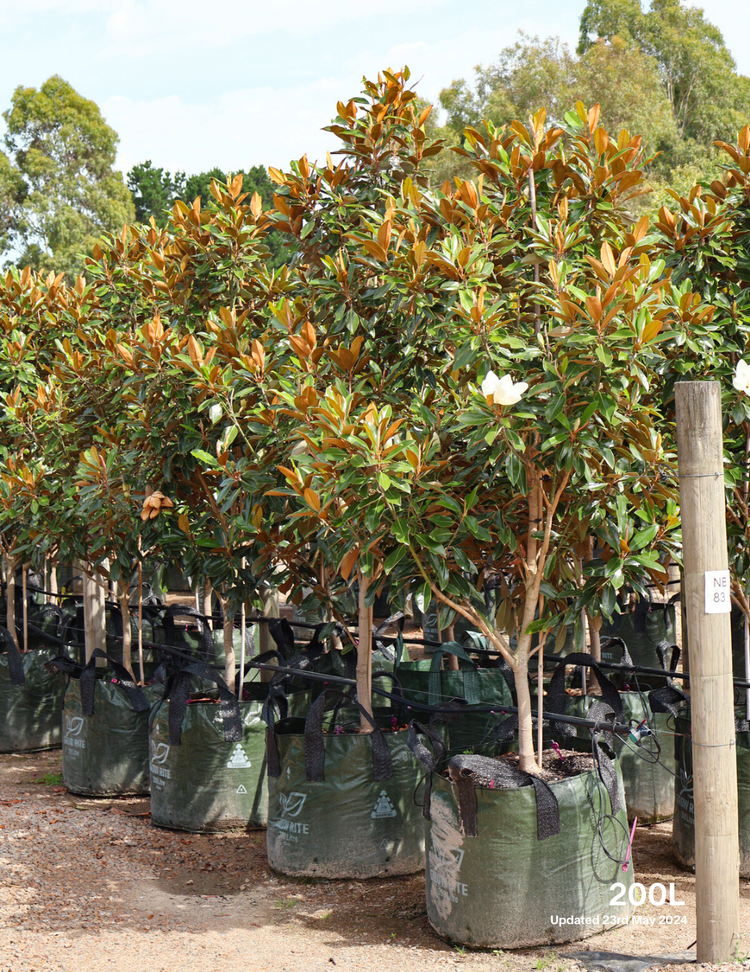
(718,600)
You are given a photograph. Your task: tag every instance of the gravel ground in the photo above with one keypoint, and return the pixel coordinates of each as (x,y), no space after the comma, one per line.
(90,885)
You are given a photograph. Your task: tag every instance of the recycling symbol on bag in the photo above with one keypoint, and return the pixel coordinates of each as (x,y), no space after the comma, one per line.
(383,807)
(238,759)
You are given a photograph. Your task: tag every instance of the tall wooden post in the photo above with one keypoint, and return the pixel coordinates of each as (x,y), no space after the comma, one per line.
(364,653)
(94,617)
(706,592)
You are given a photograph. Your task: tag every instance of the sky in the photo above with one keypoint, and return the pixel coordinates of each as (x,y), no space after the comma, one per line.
(193,84)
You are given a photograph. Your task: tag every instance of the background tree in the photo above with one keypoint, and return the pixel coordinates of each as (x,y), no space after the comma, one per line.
(155,191)
(63,152)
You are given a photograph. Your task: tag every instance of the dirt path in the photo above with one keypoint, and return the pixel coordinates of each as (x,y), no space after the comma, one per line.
(89,885)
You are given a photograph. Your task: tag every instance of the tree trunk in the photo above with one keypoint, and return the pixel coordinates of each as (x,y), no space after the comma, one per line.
(227,606)
(140,622)
(123,598)
(364,654)
(10,596)
(25,605)
(208,604)
(270,596)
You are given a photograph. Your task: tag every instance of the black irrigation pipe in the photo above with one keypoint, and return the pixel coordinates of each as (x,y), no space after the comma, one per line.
(618,727)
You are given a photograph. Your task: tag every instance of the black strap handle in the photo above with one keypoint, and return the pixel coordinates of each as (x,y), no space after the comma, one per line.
(87,678)
(467,771)
(427,758)
(557,697)
(671,697)
(178,691)
(382,763)
(603,714)
(15,664)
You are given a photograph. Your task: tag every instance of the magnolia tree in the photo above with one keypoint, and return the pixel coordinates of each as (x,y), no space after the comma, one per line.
(703,239)
(529,424)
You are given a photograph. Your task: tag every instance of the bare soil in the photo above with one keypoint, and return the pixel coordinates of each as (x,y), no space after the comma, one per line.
(89,885)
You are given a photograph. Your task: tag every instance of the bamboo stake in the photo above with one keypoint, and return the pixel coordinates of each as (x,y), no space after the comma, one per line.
(453,665)
(364,654)
(701,471)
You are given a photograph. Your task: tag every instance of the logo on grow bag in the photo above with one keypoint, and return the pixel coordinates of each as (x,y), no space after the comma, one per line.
(383,807)
(73,727)
(159,772)
(238,759)
(240,789)
(291,804)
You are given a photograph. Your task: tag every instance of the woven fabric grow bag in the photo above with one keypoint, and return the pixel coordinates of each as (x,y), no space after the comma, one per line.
(105,732)
(30,700)
(208,759)
(500,874)
(683,822)
(423,681)
(648,769)
(342,805)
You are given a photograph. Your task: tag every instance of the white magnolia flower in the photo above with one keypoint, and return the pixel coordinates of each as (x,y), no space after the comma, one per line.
(741,380)
(215,413)
(504,391)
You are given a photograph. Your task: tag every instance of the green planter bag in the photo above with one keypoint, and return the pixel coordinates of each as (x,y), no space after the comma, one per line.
(642,630)
(648,768)
(208,759)
(513,862)
(105,730)
(30,699)
(683,823)
(341,805)
(423,681)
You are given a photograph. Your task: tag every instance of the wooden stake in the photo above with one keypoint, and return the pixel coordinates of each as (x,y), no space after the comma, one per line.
(364,654)
(94,618)
(701,470)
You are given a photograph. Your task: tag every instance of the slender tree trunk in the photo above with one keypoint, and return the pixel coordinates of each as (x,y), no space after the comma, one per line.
(53,589)
(227,606)
(10,595)
(123,598)
(453,665)
(208,604)
(526,759)
(270,597)
(25,605)
(364,654)
(140,622)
